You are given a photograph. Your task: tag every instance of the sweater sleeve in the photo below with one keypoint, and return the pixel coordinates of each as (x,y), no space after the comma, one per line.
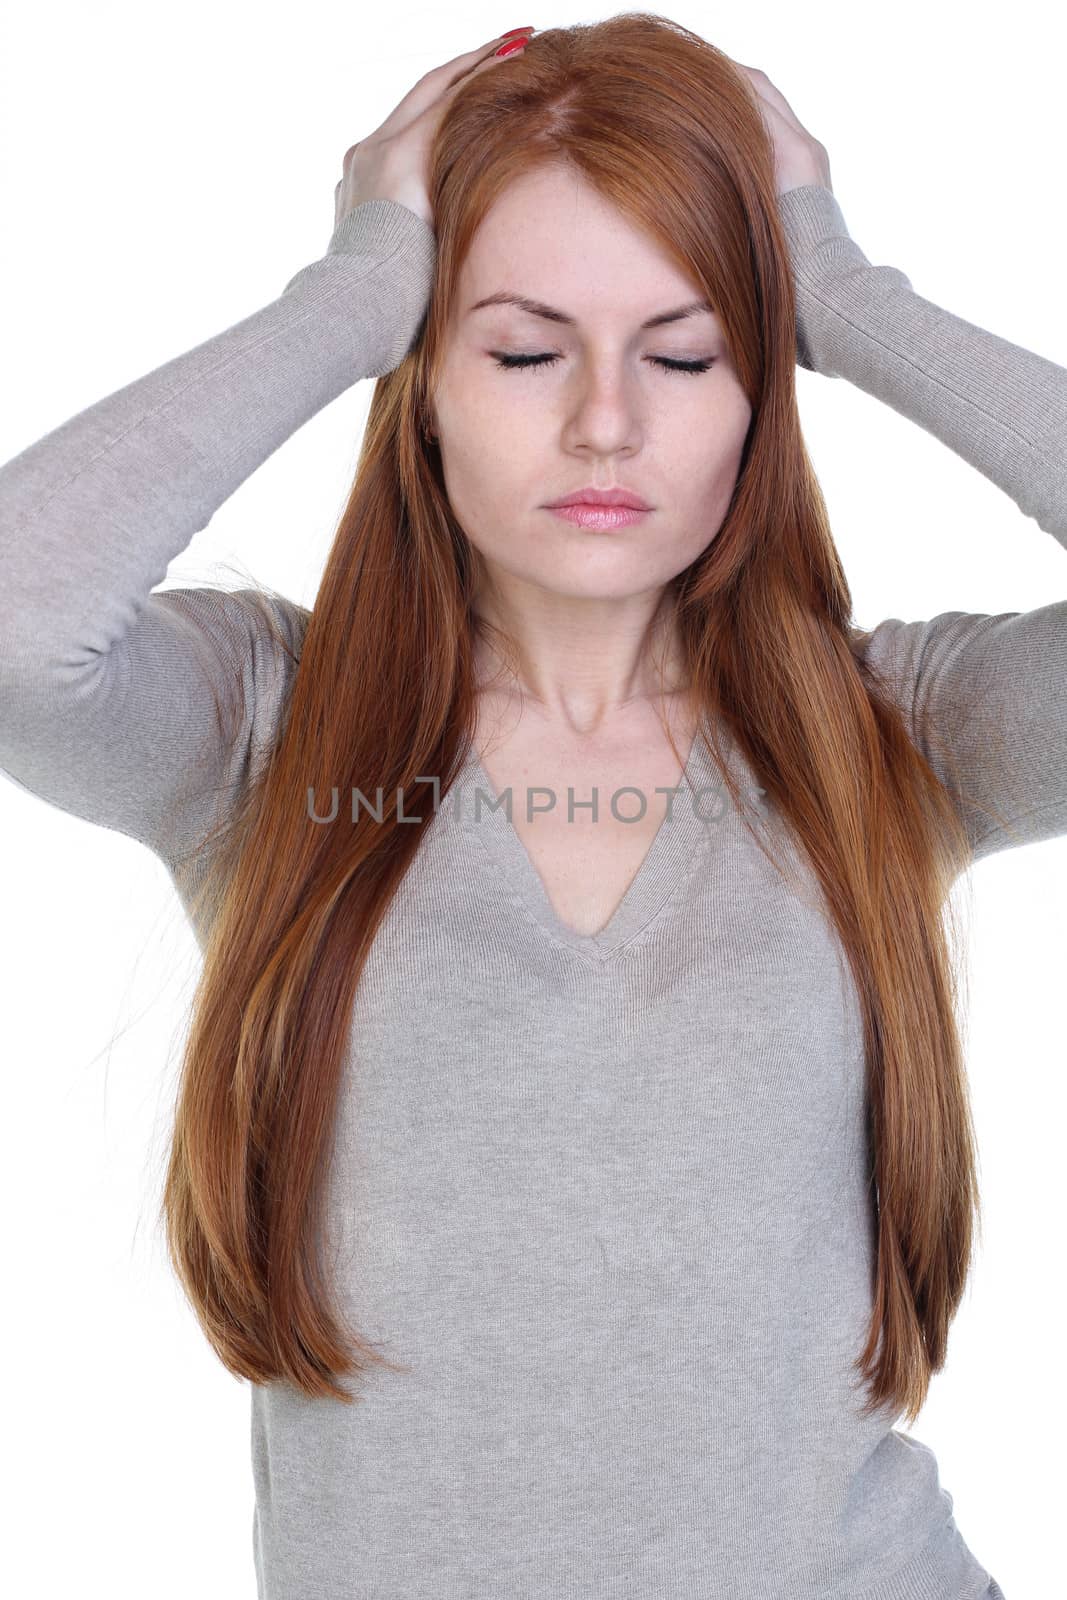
(984,695)
(110,695)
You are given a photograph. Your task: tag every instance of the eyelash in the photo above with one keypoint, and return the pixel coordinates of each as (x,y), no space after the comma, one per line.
(511,363)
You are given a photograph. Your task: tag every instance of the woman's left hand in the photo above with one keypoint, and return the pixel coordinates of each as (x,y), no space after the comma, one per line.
(799,158)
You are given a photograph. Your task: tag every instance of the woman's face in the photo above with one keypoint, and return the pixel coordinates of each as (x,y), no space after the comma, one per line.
(604,413)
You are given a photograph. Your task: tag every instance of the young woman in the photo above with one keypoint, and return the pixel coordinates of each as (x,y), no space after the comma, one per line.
(585,1186)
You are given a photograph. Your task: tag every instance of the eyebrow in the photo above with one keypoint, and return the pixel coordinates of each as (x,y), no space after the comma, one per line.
(537,308)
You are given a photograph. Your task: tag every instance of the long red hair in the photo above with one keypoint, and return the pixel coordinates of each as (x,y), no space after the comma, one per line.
(661,123)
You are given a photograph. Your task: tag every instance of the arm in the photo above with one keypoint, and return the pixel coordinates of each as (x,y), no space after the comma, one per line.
(999,406)
(985,695)
(108,692)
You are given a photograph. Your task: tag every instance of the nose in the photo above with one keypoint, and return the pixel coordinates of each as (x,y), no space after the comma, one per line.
(605,412)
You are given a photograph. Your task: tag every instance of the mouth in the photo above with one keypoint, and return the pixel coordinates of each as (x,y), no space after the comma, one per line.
(583,514)
(591,496)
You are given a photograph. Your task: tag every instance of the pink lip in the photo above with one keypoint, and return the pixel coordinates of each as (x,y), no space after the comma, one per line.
(601,497)
(584,515)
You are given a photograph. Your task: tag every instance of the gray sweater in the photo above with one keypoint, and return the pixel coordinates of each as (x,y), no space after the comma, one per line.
(606,1194)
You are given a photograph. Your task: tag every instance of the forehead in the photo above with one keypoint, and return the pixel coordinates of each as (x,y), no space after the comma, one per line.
(551,237)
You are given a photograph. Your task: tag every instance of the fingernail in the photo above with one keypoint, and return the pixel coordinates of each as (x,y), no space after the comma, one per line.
(528,29)
(512,44)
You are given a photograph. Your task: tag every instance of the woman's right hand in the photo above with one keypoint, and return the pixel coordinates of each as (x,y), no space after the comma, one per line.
(392,163)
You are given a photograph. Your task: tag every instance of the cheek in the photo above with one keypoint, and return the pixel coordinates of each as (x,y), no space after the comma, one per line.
(481,432)
(479,480)
(704,480)
(705,457)
(713,447)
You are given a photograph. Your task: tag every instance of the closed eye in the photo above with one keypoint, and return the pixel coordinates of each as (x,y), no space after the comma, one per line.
(669,364)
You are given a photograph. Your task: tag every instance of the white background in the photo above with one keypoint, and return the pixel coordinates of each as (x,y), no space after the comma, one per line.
(164,173)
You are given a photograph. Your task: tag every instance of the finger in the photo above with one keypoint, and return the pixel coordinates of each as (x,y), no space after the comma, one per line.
(428,119)
(425,101)
(471,56)
(435,82)
(772,95)
(488,59)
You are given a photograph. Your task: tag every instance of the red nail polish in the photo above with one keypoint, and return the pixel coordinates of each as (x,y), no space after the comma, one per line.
(512,44)
(515,30)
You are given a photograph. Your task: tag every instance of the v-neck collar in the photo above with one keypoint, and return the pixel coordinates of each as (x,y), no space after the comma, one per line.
(695,816)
